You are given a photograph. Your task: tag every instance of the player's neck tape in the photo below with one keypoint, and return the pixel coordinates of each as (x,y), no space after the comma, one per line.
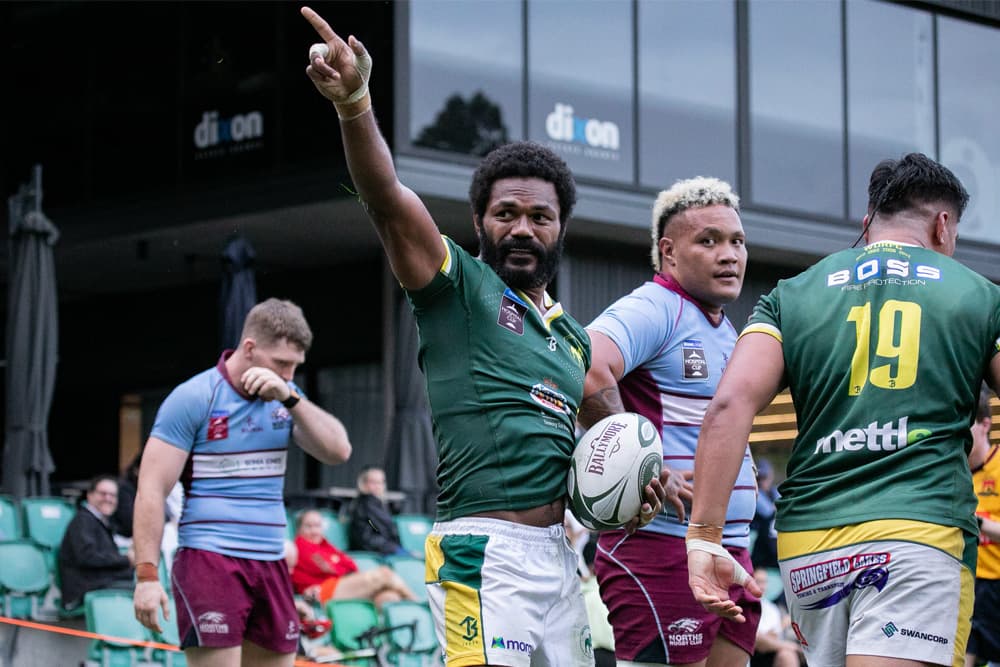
(740,575)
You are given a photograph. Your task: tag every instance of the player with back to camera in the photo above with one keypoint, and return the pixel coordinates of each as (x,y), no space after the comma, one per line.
(660,351)
(883,349)
(504,367)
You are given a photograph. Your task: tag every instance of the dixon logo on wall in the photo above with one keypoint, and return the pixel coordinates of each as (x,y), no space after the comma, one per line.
(216,137)
(595,138)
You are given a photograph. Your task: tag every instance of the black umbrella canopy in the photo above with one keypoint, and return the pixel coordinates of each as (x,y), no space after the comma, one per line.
(239,289)
(32,344)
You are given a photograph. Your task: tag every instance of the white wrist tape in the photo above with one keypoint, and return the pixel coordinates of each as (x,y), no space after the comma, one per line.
(740,575)
(364,65)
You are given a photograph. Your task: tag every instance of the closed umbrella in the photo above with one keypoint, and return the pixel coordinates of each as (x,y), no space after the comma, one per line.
(412,452)
(32,344)
(239,289)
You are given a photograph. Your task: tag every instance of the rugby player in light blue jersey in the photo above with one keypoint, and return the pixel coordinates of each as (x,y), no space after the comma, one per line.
(660,351)
(225,434)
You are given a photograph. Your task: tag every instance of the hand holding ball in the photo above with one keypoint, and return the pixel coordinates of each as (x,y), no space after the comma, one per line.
(612,464)
(320,51)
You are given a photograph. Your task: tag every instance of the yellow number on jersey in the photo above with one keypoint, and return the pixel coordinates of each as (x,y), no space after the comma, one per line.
(897,337)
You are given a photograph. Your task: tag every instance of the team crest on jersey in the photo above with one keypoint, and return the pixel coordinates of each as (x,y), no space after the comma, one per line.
(218,425)
(548,397)
(511,315)
(695,361)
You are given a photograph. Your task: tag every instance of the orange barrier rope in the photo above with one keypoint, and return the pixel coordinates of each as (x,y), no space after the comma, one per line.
(122,640)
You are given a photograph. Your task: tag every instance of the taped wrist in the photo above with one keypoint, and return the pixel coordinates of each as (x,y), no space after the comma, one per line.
(146,572)
(740,575)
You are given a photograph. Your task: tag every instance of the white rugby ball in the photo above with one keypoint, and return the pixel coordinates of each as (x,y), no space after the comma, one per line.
(612,463)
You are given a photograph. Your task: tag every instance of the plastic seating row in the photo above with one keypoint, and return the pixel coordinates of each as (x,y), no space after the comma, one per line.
(402,635)
(413,529)
(110,613)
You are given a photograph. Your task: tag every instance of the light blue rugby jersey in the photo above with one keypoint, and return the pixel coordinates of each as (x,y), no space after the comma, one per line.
(235,473)
(674,357)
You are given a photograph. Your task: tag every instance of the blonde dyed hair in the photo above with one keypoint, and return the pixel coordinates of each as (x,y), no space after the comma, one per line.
(270,321)
(697,192)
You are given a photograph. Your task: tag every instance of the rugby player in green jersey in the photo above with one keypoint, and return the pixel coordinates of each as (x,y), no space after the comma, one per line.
(504,367)
(883,349)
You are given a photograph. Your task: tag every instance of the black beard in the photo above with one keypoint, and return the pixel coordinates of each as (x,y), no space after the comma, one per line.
(546,267)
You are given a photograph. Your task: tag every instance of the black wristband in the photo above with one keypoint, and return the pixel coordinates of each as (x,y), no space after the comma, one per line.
(292,400)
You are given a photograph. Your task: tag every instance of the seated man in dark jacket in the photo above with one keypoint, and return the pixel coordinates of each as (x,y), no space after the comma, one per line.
(372,527)
(89,559)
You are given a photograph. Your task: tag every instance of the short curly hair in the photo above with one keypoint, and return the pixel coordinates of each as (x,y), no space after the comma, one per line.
(523,159)
(697,192)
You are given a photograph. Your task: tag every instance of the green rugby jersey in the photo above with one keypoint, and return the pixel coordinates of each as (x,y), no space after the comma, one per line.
(505,383)
(885,348)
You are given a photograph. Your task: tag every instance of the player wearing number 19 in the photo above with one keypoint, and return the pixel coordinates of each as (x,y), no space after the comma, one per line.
(883,349)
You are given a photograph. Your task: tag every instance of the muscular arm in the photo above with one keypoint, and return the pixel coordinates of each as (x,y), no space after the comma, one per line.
(752,378)
(600,388)
(319,433)
(161,468)
(411,240)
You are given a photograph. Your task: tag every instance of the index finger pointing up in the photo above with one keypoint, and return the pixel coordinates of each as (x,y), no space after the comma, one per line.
(322,28)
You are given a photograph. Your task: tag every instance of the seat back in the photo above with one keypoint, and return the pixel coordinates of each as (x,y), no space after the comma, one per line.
(10,524)
(351,618)
(334,530)
(45,520)
(366,560)
(421,639)
(413,530)
(413,572)
(24,578)
(110,612)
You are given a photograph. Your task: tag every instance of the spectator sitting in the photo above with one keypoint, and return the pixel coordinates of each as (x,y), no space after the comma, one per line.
(89,559)
(372,527)
(772,648)
(324,572)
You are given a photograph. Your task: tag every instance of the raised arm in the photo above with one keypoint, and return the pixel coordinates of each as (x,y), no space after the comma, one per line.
(411,240)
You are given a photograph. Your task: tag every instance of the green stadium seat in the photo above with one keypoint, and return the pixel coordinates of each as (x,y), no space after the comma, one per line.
(24,579)
(366,560)
(413,530)
(45,521)
(351,620)
(413,572)
(10,524)
(170,636)
(412,642)
(110,612)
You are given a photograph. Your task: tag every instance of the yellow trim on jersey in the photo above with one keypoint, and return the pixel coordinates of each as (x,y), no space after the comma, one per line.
(761,327)
(446,264)
(553,309)
(463,626)
(948,539)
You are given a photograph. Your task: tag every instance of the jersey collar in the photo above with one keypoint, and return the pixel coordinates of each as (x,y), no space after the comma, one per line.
(670,283)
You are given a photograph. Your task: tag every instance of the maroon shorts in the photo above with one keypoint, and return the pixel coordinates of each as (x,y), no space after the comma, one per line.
(644,583)
(222,600)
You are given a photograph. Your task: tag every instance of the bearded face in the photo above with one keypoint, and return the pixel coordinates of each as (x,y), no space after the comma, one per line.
(520,262)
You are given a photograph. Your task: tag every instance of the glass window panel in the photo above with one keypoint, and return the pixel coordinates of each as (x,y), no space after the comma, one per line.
(580,82)
(465,74)
(687,91)
(890,89)
(796,117)
(969,98)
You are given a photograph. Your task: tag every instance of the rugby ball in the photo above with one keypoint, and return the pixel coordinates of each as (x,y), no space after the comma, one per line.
(612,463)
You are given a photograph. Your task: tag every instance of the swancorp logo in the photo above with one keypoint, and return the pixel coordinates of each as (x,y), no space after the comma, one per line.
(888,437)
(215,136)
(562,125)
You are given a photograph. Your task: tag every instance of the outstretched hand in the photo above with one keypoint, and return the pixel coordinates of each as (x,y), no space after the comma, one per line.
(710,577)
(342,77)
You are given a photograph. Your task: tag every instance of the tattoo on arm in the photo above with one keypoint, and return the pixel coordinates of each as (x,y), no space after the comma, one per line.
(600,404)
